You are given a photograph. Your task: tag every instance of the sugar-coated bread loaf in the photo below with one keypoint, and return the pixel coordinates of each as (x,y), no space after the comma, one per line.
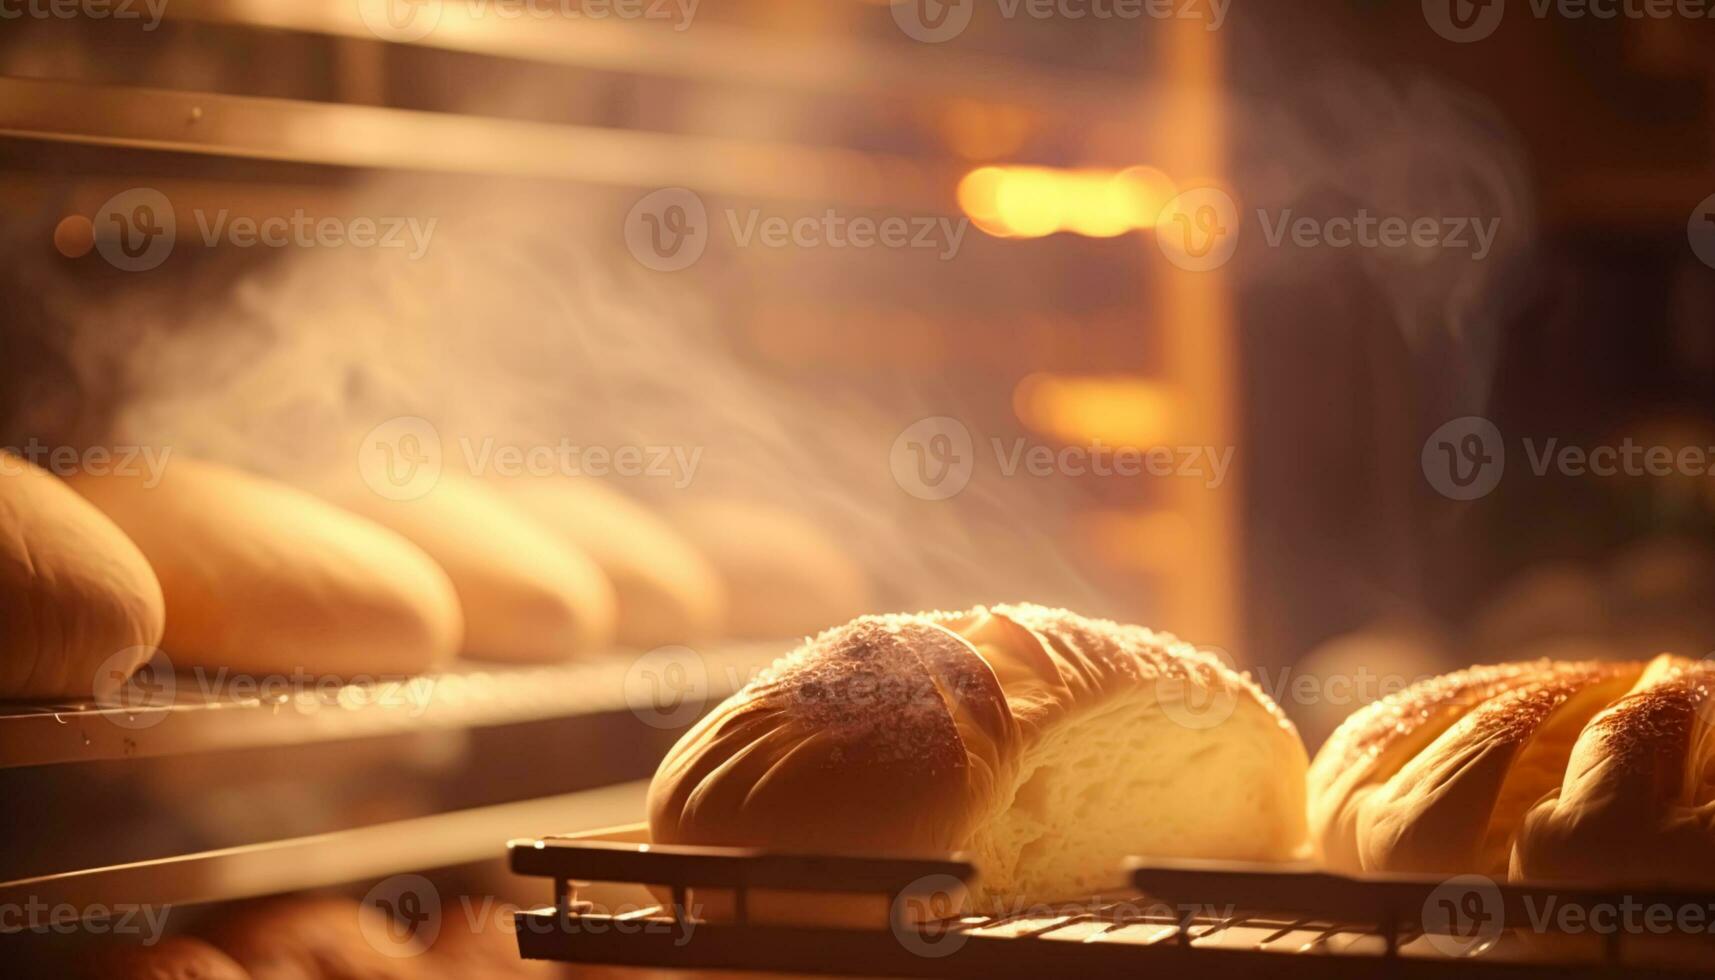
(667,591)
(1046,745)
(77,598)
(527,594)
(262,577)
(1637,804)
(1548,770)
(784,577)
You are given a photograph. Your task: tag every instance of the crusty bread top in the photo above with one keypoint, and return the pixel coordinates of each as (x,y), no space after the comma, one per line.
(77,598)
(1545,770)
(894,733)
(1637,804)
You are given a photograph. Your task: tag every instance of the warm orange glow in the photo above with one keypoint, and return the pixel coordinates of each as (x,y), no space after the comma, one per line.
(983,131)
(1029,202)
(1146,541)
(1117,411)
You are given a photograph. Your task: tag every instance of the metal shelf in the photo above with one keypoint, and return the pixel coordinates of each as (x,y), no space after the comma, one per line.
(709,53)
(48,734)
(255,128)
(325,860)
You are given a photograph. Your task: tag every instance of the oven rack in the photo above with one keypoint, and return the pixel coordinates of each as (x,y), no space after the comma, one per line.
(1203,919)
(192,720)
(439,840)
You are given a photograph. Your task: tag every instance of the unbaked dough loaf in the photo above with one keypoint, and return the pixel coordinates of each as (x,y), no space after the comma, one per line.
(784,577)
(82,608)
(1046,745)
(528,595)
(264,578)
(667,591)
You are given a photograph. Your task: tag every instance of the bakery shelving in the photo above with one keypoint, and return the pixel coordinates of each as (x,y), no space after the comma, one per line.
(1201,919)
(195,721)
(299,131)
(436,840)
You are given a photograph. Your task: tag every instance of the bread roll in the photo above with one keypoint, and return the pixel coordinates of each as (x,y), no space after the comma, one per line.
(1546,770)
(667,592)
(1046,745)
(1637,802)
(784,577)
(77,598)
(316,937)
(265,578)
(527,594)
(173,958)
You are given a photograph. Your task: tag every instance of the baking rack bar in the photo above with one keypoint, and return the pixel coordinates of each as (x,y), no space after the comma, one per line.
(1210,921)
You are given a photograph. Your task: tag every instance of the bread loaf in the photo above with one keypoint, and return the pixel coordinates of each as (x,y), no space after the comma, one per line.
(1637,803)
(527,594)
(82,608)
(1545,770)
(667,592)
(173,958)
(784,577)
(264,578)
(319,937)
(1046,745)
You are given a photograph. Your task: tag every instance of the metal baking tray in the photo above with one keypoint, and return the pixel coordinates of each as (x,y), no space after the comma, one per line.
(1164,918)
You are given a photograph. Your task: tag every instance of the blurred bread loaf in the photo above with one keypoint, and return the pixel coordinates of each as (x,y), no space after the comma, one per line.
(262,577)
(319,937)
(1047,745)
(527,594)
(667,592)
(783,575)
(77,597)
(1546,770)
(173,958)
